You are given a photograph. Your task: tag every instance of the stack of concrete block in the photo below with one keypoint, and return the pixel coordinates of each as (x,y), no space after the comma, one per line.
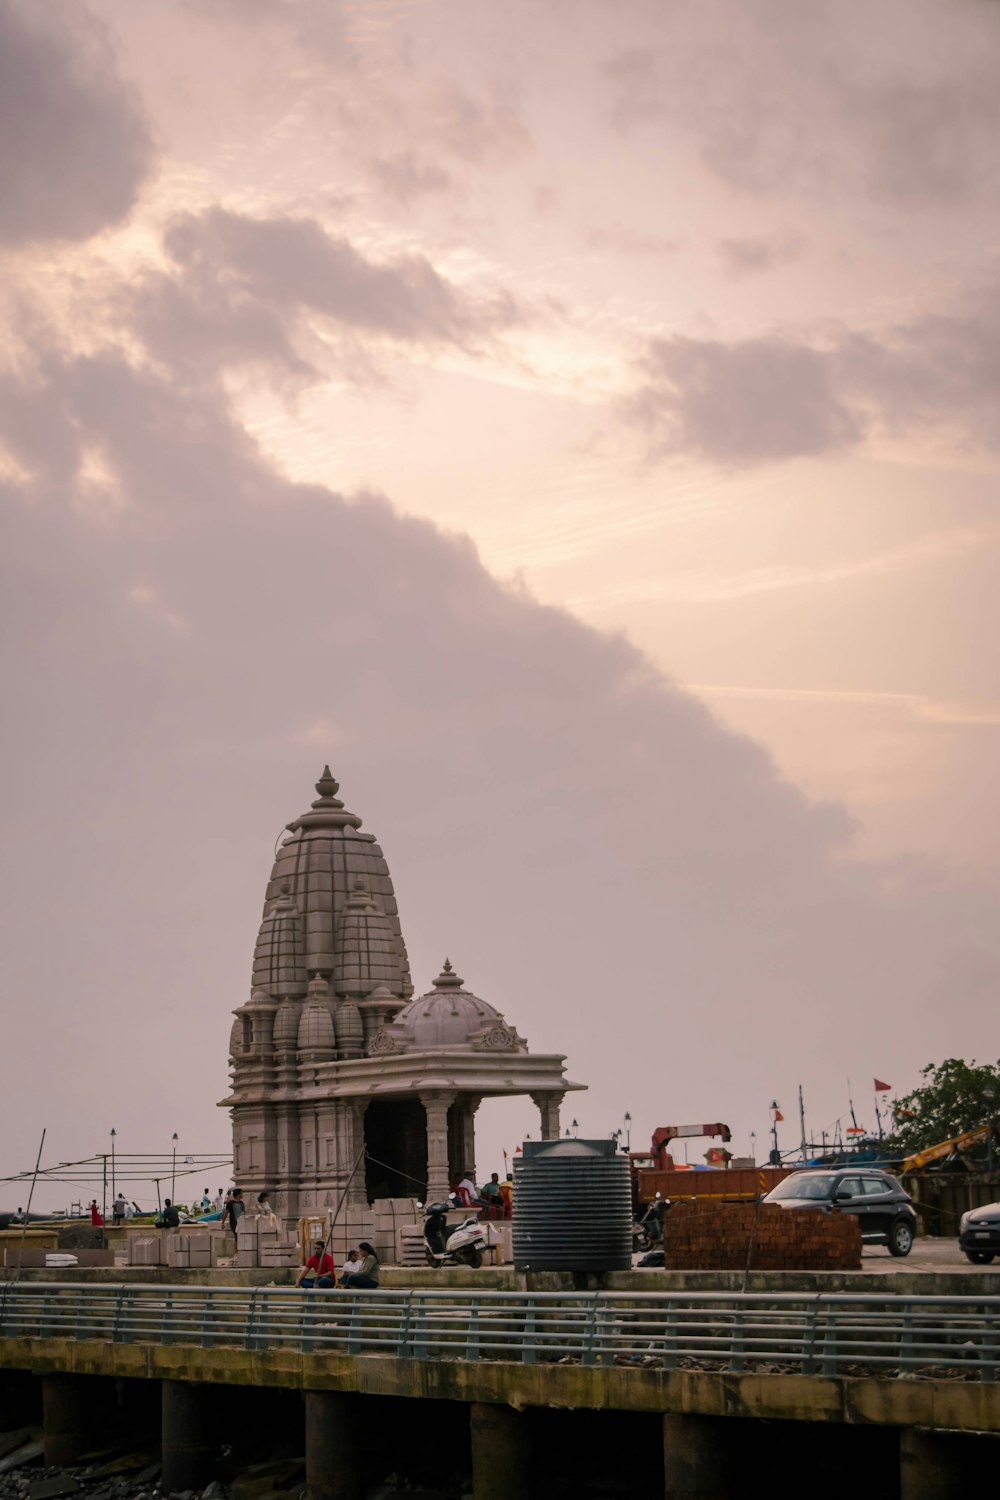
(410,1248)
(145,1250)
(199,1248)
(391,1215)
(262,1242)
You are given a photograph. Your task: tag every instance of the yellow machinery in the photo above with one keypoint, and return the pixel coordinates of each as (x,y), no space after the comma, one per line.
(920,1159)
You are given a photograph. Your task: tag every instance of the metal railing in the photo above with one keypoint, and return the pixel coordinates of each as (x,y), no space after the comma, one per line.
(834,1334)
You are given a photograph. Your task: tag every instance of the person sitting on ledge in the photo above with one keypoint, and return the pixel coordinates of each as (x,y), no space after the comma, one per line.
(367,1277)
(490,1191)
(318,1269)
(169,1218)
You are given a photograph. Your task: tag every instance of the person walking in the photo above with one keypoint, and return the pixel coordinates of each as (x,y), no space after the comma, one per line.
(235,1209)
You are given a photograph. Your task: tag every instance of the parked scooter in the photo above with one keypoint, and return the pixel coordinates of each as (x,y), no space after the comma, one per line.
(452,1245)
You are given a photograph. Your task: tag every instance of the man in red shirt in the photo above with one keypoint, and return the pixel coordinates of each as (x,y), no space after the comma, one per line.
(318,1269)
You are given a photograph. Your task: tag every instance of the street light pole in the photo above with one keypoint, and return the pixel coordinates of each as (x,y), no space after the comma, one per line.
(628,1131)
(173,1170)
(114,1193)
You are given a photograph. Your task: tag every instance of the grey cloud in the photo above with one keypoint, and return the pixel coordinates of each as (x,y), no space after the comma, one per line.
(406,178)
(784,99)
(584,837)
(77,146)
(741,256)
(758,401)
(774,398)
(239,285)
(476,128)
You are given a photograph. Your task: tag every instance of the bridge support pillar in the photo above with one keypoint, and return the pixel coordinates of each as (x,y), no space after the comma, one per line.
(500,1452)
(695,1458)
(187,1447)
(69,1418)
(333,1460)
(939,1465)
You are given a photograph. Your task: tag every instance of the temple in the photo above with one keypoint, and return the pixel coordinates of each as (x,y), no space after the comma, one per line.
(344,1087)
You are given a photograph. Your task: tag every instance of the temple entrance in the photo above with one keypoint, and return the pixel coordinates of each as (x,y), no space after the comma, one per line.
(396,1146)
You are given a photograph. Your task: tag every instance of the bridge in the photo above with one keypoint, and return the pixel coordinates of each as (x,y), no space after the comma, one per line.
(908,1383)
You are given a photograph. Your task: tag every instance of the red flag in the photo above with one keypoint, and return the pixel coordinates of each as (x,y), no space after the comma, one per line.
(778,1116)
(880,1087)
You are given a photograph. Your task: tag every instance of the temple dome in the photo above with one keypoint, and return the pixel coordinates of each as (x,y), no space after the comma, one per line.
(319,919)
(286,1024)
(316,1023)
(449,1016)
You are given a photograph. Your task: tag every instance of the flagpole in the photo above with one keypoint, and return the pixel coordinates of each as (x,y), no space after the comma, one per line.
(802,1125)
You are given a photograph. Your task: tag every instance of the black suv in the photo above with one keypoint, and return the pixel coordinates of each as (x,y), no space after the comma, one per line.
(884,1208)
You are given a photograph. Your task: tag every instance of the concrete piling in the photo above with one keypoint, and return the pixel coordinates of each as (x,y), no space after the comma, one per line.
(186,1434)
(333,1459)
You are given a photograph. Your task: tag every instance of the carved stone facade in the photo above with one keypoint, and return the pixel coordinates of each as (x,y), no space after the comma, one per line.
(345,1088)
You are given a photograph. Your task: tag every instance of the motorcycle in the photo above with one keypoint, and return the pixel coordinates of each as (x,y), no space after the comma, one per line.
(648,1232)
(452,1245)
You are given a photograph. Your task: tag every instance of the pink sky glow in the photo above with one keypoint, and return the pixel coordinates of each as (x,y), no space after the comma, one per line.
(577,424)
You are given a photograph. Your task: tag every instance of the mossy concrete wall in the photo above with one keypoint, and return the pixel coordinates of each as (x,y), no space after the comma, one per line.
(934,1404)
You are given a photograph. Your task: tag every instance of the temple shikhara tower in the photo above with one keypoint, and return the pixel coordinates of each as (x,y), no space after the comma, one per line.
(342,1081)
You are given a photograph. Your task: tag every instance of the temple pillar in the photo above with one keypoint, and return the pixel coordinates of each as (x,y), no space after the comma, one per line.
(465,1161)
(548,1105)
(357,1192)
(501,1454)
(436,1104)
(333,1465)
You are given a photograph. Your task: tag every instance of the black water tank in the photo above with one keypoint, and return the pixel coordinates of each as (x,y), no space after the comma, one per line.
(572,1207)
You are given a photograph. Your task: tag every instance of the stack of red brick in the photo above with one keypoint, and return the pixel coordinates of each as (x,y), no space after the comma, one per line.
(716,1237)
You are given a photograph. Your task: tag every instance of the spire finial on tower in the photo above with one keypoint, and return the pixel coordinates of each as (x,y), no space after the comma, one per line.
(327,786)
(448,979)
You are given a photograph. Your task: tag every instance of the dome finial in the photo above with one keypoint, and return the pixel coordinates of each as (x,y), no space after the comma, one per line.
(448,979)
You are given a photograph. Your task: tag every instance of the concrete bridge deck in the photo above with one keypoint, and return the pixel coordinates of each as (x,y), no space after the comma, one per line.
(706,1366)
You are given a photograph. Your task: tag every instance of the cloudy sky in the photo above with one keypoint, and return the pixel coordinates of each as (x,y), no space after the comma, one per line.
(576,423)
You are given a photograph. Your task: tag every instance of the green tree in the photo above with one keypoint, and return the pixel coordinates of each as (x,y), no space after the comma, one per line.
(957,1096)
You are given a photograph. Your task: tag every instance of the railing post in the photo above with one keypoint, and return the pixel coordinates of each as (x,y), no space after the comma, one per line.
(354,1326)
(809,1339)
(737,1337)
(472,1338)
(670,1354)
(589,1355)
(528,1333)
(420,1329)
(988,1361)
(166,1331)
(208,1320)
(828,1342)
(403,1340)
(250,1324)
(116,1322)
